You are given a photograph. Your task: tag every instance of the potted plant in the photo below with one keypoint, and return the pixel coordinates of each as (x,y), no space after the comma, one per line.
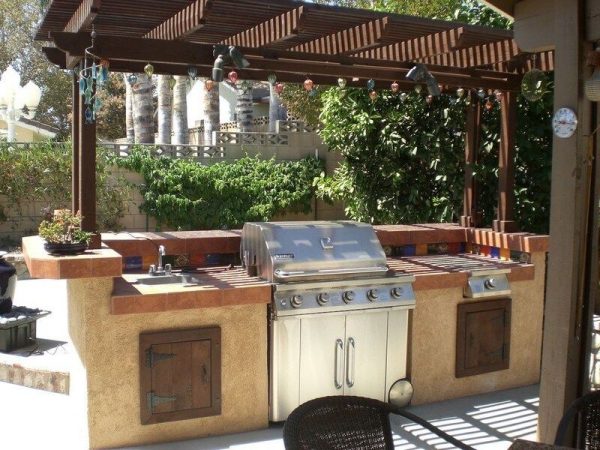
(63,233)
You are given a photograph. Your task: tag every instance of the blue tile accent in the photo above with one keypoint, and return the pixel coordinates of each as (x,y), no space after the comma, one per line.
(463,247)
(495,252)
(133,262)
(408,250)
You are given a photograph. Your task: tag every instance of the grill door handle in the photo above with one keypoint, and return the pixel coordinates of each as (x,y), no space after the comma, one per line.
(339,364)
(350,361)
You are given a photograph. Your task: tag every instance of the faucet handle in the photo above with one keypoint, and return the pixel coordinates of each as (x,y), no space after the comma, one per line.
(168,269)
(152,269)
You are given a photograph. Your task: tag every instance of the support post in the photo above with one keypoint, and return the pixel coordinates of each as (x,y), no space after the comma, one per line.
(471,216)
(562,354)
(505,221)
(87,174)
(75,143)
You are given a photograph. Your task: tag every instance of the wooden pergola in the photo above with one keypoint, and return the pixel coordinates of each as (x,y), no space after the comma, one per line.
(294,40)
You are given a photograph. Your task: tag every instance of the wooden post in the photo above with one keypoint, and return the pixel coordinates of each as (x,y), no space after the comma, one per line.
(87,174)
(562,350)
(470,217)
(506,165)
(75,143)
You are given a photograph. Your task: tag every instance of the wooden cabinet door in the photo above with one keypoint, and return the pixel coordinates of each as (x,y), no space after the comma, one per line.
(180,374)
(366,351)
(483,337)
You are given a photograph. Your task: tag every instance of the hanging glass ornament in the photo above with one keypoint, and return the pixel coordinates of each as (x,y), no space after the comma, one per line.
(418,88)
(341,82)
(395,87)
(88,115)
(192,72)
(312,93)
(97,104)
(272,78)
(209,84)
(149,69)
(308,84)
(132,78)
(429,99)
(489,105)
(533,85)
(100,78)
(233,76)
(403,96)
(278,88)
(460,92)
(481,93)
(172,82)
(498,94)
(94,71)
(371,84)
(82,85)
(373,95)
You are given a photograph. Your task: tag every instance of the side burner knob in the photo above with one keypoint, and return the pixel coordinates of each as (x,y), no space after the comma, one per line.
(296,301)
(490,283)
(349,296)
(397,292)
(322,298)
(372,295)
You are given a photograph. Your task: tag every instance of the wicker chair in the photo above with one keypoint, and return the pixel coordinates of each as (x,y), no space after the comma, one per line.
(345,422)
(588,409)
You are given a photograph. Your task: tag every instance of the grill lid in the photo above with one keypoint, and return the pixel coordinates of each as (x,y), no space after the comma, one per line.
(308,251)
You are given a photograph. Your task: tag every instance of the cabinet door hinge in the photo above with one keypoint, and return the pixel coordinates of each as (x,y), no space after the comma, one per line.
(153,357)
(155,400)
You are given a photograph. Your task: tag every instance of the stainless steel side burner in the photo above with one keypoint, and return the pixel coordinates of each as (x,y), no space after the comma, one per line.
(339,316)
(488,283)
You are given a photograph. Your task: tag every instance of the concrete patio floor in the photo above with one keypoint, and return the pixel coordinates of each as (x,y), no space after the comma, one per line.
(36,419)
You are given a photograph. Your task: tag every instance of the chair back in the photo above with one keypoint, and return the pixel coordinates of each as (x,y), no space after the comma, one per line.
(587,408)
(339,423)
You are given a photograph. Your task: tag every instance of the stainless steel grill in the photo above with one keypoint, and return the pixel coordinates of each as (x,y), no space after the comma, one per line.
(339,316)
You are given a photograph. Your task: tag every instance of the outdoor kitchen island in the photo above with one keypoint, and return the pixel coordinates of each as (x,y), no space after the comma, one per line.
(108,312)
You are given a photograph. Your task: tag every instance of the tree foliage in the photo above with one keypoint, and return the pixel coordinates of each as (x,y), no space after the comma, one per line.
(110,123)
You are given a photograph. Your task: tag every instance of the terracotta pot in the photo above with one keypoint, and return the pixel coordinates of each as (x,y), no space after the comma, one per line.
(8,279)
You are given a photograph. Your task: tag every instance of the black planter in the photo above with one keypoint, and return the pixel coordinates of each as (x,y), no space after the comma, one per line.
(65,249)
(8,279)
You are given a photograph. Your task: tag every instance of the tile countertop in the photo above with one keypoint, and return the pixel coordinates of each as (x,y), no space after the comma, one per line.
(221,286)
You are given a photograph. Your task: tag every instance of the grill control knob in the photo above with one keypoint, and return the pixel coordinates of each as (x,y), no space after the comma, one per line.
(397,292)
(322,298)
(349,296)
(372,295)
(296,301)
(490,283)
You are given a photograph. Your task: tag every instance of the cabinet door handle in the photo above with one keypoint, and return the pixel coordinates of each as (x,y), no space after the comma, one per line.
(339,363)
(350,361)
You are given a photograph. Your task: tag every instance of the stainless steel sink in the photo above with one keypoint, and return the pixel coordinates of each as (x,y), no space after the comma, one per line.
(169,279)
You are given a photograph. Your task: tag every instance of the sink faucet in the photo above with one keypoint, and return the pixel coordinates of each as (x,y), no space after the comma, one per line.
(160,270)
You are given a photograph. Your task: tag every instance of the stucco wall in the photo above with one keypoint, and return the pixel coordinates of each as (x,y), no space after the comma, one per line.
(433,342)
(108,348)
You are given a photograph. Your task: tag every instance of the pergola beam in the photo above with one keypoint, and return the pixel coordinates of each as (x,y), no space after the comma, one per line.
(481,55)
(348,41)
(276,29)
(185,22)
(201,55)
(421,47)
(83,16)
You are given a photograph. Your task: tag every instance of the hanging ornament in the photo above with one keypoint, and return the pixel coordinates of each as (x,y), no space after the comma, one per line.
(149,69)
(172,82)
(533,85)
(232,76)
(418,88)
(481,93)
(272,78)
(460,92)
(94,71)
(403,96)
(373,95)
(308,84)
(341,82)
(192,72)
(498,94)
(89,117)
(97,104)
(395,87)
(278,88)
(489,105)
(209,84)
(312,93)
(429,99)
(132,78)
(82,85)
(371,84)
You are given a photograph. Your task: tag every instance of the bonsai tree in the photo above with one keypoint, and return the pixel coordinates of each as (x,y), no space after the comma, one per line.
(64,227)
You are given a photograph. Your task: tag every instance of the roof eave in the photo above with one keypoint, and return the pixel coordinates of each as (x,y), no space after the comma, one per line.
(503,7)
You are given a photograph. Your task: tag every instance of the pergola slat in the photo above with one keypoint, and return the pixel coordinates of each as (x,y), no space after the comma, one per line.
(350,40)
(83,16)
(185,22)
(274,30)
(481,55)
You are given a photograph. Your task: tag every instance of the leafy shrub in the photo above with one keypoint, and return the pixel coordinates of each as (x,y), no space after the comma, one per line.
(184,194)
